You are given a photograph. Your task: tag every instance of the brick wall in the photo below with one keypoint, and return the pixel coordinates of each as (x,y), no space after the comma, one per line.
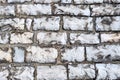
(59,39)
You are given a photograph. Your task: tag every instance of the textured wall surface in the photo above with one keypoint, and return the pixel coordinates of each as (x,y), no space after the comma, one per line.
(59,39)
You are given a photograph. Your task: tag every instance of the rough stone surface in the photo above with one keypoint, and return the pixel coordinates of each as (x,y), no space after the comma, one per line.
(4,38)
(108,71)
(108,24)
(81,71)
(21,1)
(41,55)
(36,9)
(23,38)
(4,73)
(103,53)
(46,1)
(75,23)
(19,73)
(72,9)
(87,1)
(46,23)
(7,10)
(51,73)
(84,38)
(52,38)
(110,37)
(76,52)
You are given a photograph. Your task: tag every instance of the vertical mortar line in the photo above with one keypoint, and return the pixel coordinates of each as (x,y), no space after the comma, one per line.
(58,61)
(96,71)
(67,71)
(35,72)
(85,54)
(61,23)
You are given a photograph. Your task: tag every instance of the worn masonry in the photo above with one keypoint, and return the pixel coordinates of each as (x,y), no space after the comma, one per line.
(59,39)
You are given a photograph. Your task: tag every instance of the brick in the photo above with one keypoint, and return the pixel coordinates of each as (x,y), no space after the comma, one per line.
(73,54)
(23,38)
(12,24)
(103,53)
(72,9)
(24,72)
(48,38)
(105,9)
(4,73)
(46,23)
(18,55)
(108,23)
(5,55)
(36,9)
(108,71)
(57,72)
(78,23)
(41,55)
(46,1)
(84,38)
(4,38)
(81,71)
(110,37)
(112,1)
(18,1)
(87,1)
(7,10)
(28,24)
(66,1)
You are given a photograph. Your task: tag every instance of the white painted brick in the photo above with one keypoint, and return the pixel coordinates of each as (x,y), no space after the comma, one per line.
(108,23)
(46,1)
(57,72)
(78,23)
(66,1)
(21,1)
(87,1)
(7,10)
(22,38)
(110,37)
(72,9)
(22,73)
(41,55)
(105,9)
(81,71)
(12,24)
(73,54)
(103,53)
(5,54)
(52,38)
(4,73)
(108,71)
(36,9)
(112,1)
(84,38)
(18,55)
(4,38)
(46,23)
(28,24)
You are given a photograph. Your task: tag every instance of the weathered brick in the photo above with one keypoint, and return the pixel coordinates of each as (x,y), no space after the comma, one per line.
(18,55)
(41,55)
(87,1)
(52,38)
(22,73)
(103,53)
(73,54)
(4,73)
(66,1)
(19,1)
(112,1)
(108,23)
(46,23)
(35,9)
(7,10)
(108,71)
(105,9)
(57,72)
(12,24)
(110,37)
(78,23)
(5,55)
(72,9)
(23,38)
(4,38)
(81,71)
(46,1)
(84,38)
